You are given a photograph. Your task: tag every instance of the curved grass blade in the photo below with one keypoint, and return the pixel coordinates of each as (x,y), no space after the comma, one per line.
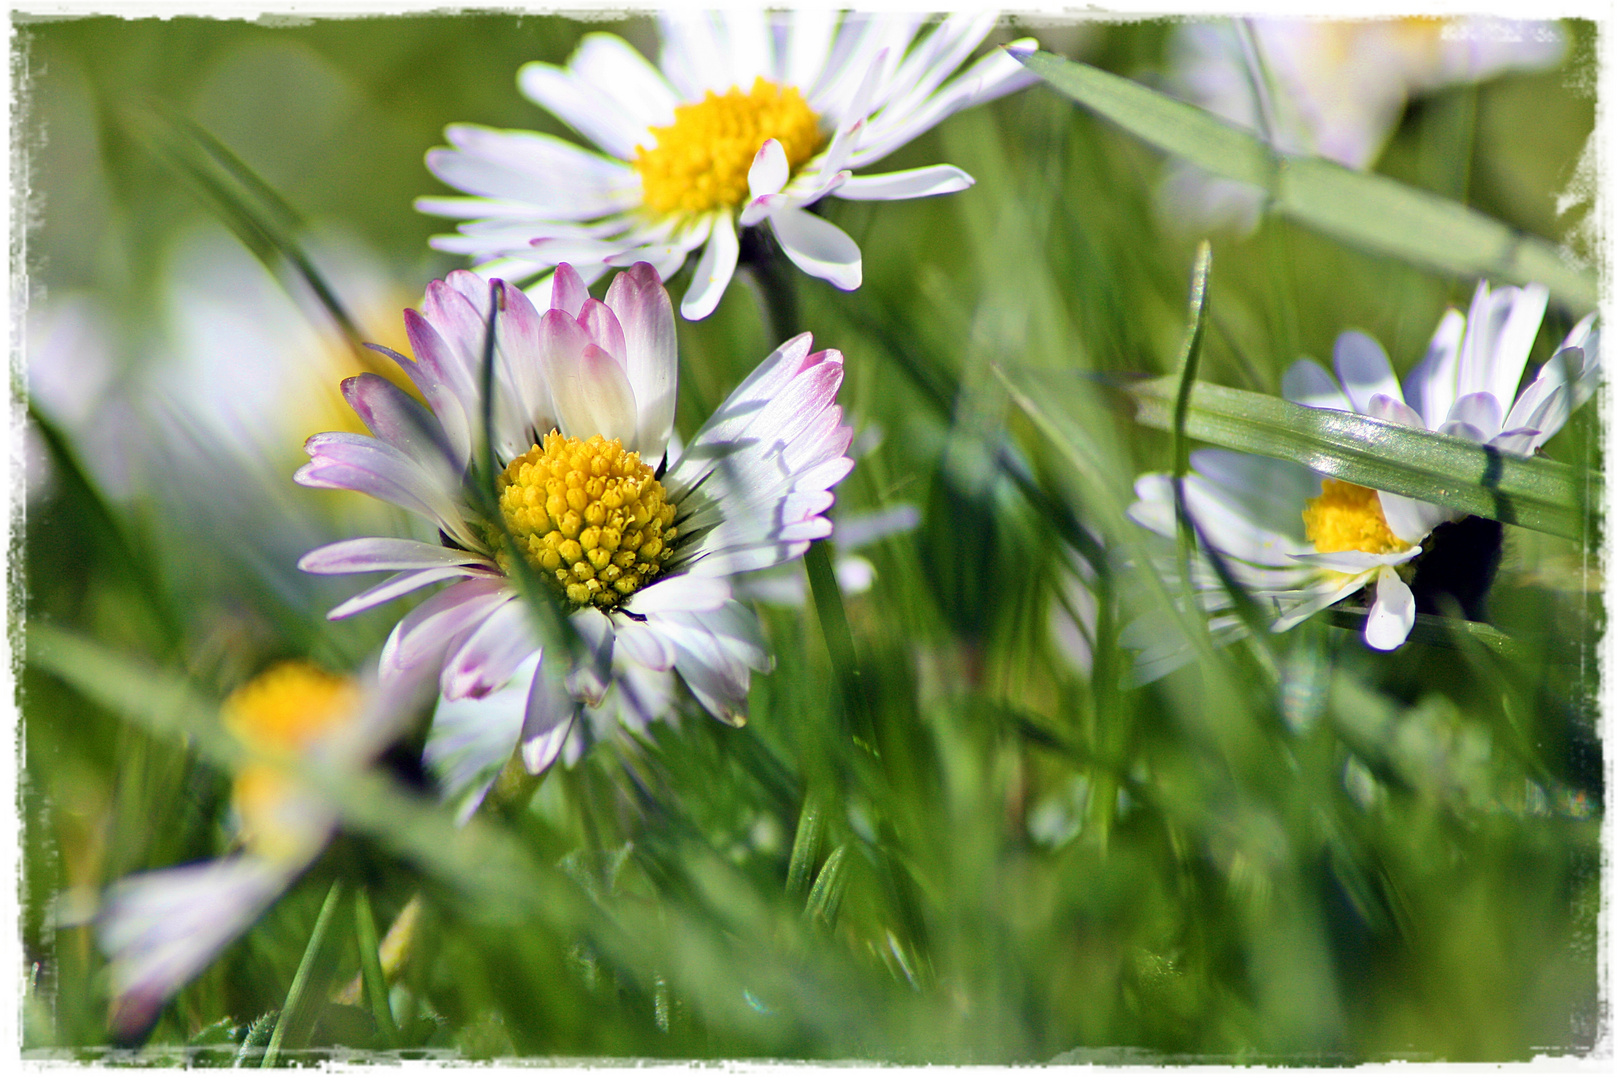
(248,206)
(1538,494)
(1370,211)
(1189,538)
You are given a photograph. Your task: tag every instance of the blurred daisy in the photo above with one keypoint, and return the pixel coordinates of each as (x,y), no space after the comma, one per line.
(1332,89)
(1298,541)
(640,551)
(748,118)
(229,370)
(160,929)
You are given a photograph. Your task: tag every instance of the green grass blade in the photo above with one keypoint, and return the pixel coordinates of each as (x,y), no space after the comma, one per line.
(371,971)
(247,205)
(828,891)
(807,841)
(1372,212)
(297,1016)
(1531,492)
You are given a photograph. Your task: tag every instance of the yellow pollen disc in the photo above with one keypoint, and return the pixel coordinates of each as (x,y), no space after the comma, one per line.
(1348,517)
(701,161)
(283,711)
(589,516)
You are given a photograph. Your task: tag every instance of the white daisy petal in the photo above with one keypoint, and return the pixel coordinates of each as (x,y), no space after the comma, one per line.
(1393,612)
(583,107)
(769,171)
(1308,383)
(1480,410)
(870,82)
(818,247)
(1431,388)
(713,271)
(1363,369)
(908,184)
(589,390)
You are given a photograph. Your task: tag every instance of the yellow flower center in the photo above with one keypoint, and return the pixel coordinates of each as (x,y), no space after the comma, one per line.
(589,515)
(701,161)
(1348,517)
(283,711)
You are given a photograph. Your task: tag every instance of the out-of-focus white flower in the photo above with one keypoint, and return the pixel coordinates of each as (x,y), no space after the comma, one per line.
(214,388)
(1332,89)
(1298,541)
(161,928)
(640,554)
(749,117)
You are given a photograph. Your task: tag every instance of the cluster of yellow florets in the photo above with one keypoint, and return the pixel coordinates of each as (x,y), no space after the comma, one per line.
(283,711)
(590,515)
(701,161)
(1349,517)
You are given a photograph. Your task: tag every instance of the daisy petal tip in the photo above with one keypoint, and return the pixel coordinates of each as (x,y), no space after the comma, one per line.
(1022,49)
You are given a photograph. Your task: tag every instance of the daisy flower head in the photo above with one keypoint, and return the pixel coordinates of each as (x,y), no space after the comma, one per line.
(1330,88)
(748,118)
(161,928)
(1298,541)
(638,548)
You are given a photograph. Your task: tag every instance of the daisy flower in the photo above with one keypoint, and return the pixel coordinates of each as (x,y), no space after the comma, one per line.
(1332,89)
(638,548)
(161,928)
(1298,541)
(747,118)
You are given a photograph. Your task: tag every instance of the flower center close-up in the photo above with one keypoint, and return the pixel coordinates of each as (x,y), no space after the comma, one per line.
(701,161)
(590,514)
(1349,517)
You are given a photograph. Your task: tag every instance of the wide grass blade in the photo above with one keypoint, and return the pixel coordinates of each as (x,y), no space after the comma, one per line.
(1372,212)
(1456,473)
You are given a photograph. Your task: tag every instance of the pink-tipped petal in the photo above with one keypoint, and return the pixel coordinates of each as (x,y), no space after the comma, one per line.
(397,419)
(369,553)
(642,305)
(769,171)
(491,653)
(589,390)
(1395,411)
(603,328)
(568,292)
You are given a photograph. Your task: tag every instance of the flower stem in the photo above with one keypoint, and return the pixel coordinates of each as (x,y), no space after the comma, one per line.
(299,991)
(772,283)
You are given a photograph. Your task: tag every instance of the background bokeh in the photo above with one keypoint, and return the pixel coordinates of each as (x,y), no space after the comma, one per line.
(1042,864)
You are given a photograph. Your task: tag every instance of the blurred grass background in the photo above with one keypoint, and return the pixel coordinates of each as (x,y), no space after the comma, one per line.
(1018,860)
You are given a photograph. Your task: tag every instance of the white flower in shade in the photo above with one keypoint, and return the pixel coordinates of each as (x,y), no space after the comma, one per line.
(1332,89)
(639,550)
(748,118)
(1298,541)
(161,928)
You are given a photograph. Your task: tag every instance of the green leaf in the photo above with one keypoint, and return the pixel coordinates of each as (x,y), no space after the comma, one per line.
(1369,211)
(1532,492)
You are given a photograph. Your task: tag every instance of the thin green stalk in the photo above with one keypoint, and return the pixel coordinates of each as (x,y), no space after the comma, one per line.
(767,272)
(840,641)
(371,972)
(298,993)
